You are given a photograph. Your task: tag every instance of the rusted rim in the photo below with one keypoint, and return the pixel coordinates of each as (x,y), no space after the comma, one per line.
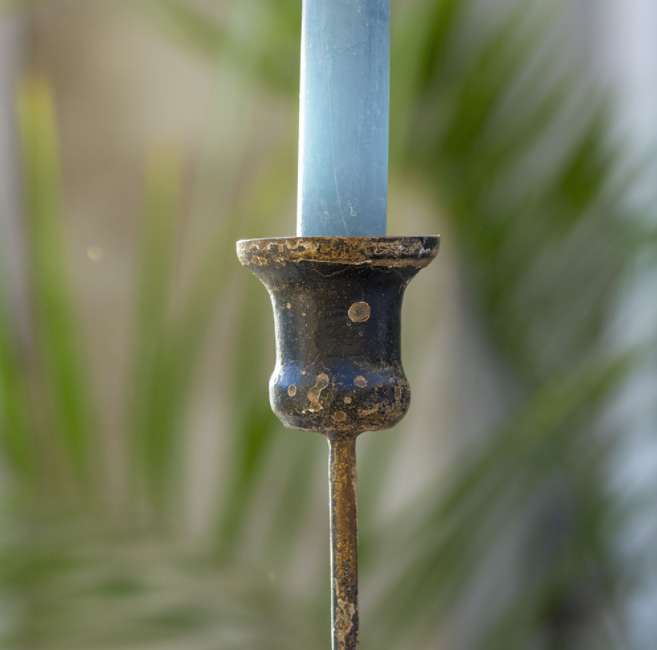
(378,251)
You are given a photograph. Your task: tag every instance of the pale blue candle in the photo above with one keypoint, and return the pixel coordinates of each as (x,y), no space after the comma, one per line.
(345,109)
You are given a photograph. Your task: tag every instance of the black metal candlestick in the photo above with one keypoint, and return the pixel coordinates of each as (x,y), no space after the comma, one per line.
(337,306)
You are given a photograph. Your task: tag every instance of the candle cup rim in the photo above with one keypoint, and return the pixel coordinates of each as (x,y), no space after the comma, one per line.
(381,251)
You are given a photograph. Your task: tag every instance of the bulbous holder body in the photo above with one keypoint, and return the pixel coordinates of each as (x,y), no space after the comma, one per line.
(337,306)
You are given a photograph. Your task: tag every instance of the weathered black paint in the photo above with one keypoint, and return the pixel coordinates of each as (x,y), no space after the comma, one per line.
(338,327)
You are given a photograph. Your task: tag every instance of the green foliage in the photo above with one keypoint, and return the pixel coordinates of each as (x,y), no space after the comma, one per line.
(524,522)
(53,443)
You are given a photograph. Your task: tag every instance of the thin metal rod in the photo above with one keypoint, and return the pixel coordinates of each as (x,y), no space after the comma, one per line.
(344,542)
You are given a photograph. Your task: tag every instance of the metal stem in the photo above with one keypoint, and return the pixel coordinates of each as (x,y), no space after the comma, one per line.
(344,542)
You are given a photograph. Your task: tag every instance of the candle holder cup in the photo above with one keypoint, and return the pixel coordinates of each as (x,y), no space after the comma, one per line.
(337,307)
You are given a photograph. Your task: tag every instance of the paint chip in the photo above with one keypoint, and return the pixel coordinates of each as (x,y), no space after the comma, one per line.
(360,312)
(314,393)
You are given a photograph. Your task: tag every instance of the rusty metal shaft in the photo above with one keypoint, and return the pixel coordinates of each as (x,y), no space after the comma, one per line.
(344,541)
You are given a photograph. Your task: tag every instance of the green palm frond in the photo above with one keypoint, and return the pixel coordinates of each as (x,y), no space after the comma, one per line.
(68,434)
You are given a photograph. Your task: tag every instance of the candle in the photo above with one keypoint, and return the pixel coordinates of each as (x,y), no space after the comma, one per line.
(344,121)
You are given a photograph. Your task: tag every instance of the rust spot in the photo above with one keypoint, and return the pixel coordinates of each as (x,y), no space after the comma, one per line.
(360,381)
(360,312)
(347,400)
(292,390)
(316,391)
(371,412)
(340,416)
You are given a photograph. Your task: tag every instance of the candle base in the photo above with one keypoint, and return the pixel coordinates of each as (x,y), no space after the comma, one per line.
(337,306)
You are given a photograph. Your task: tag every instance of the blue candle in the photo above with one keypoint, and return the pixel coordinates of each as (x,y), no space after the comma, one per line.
(345,107)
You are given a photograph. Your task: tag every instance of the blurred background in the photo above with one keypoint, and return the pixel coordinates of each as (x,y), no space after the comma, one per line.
(148,497)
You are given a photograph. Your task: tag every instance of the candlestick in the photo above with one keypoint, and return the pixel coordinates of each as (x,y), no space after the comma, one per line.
(337,306)
(344,121)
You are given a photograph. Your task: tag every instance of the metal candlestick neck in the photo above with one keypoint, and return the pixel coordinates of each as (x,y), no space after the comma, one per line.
(344,542)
